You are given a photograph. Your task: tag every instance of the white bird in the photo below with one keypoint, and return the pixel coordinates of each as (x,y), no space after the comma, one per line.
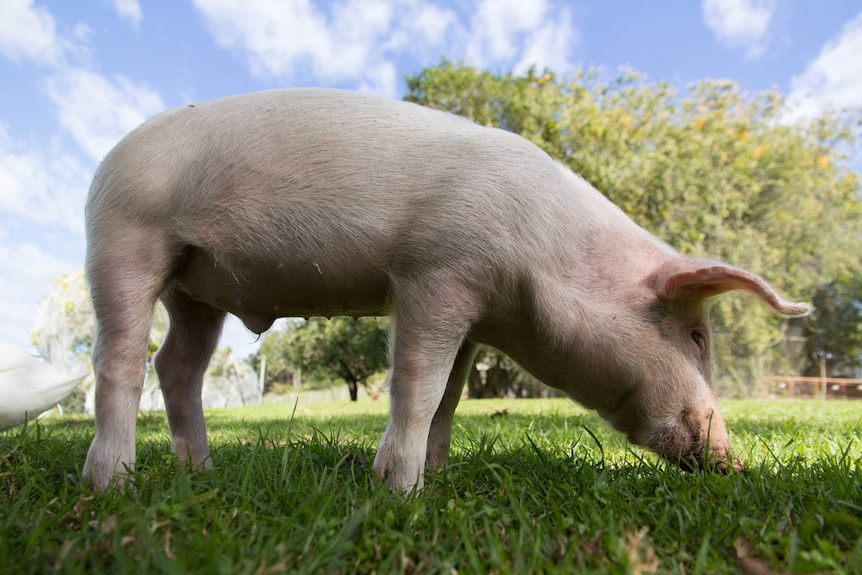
(29,386)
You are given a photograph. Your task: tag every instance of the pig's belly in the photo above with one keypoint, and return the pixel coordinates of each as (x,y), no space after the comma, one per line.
(259,292)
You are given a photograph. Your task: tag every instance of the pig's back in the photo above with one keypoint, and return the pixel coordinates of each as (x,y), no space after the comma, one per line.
(333,165)
(341,187)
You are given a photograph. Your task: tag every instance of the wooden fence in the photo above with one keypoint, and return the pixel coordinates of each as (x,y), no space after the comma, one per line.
(813,387)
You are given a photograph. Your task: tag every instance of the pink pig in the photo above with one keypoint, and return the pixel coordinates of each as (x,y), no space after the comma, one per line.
(324,202)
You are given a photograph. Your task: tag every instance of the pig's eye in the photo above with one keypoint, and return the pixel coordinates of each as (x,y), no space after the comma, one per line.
(700,340)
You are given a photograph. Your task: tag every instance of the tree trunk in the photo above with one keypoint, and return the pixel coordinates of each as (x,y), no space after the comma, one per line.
(354,390)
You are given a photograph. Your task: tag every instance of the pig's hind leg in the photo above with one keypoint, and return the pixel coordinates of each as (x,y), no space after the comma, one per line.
(127,269)
(180,363)
(430,323)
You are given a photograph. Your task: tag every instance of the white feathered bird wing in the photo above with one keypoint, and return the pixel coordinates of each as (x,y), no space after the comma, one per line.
(29,386)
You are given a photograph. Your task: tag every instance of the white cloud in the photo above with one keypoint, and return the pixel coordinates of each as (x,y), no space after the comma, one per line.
(496,25)
(358,41)
(740,23)
(516,34)
(420,29)
(27,275)
(28,32)
(380,79)
(833,79)
(98,111)
(46,191)
(129,11)
(548,45)
(432,22)
(43,186)
(95,110)
(280,38)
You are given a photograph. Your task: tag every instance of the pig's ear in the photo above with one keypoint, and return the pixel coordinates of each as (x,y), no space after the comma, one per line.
(691,279)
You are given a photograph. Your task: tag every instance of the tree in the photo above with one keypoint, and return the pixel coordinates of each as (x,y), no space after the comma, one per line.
(63,334)
(713,170)
(63,331)
(351,349)
(834,330)
(64,327)
(275,347)
(65,323)
(494,375)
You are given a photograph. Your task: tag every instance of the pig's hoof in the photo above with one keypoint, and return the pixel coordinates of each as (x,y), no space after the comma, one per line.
(101,474)
(724,466)
(403,482)
(198,465)
(397,476)
(100,479)
(692,464)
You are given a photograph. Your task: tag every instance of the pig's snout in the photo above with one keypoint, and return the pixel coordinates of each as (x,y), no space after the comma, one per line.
(699,440)
(718,462)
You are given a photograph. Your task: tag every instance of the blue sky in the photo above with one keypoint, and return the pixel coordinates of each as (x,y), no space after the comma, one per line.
(76,76)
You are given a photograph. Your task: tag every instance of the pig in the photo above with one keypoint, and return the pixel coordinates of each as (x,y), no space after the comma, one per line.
(303,202)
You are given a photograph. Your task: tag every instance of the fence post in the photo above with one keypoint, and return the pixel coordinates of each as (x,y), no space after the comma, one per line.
(261,377)
(823,376)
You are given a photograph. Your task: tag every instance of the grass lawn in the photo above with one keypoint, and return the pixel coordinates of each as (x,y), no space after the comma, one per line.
(534,486)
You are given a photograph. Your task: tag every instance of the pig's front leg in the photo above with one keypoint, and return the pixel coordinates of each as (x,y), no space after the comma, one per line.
(440,434)
(427,335)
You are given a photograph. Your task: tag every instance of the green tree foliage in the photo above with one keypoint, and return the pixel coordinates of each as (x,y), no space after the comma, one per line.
(64,331)
(351,349)
(496,376)
(65,323)
(275,345)
(712,170)
(834,330)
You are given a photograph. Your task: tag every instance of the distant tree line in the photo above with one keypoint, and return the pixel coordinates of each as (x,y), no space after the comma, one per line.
(715,172)
(711,169)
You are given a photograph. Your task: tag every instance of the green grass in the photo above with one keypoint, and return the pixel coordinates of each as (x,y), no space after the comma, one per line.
(534,486)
